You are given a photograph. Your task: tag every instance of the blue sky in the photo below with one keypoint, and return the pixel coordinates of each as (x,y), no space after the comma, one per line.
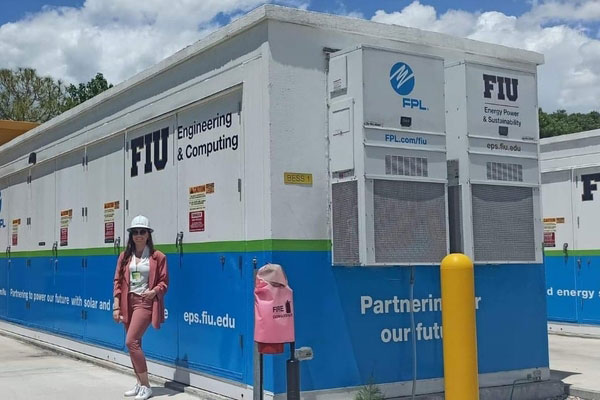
(122,37)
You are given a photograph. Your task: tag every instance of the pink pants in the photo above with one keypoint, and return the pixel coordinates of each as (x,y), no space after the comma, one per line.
(140,316)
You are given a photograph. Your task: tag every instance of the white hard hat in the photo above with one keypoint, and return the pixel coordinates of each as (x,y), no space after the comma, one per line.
(140,222)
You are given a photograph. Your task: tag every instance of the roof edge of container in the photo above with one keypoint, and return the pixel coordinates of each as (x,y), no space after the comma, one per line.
(400,33)
(570,137)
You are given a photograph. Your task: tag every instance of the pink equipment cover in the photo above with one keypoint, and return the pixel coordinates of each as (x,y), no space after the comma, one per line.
(273,306)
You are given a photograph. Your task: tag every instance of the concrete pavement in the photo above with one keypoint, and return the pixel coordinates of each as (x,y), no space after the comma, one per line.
(29,372)
(576,361)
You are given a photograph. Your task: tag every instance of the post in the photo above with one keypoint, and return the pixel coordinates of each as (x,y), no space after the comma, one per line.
(293,375)
(257,387)
(459,331)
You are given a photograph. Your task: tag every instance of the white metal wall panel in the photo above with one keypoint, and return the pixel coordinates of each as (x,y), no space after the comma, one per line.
(557,206)
(105,184)
(586,202)
(151,178)
(501,97)
(405,163)
(71,195)
(403,85)
(341,136)
(210,164)
(527,166)
(18,198)
(44,216)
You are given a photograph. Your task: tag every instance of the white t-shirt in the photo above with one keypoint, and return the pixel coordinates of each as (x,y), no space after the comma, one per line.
(139,272)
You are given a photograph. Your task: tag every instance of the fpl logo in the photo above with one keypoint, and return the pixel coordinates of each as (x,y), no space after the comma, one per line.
(402,80)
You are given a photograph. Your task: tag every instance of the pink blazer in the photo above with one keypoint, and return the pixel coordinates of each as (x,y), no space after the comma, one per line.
(158,281)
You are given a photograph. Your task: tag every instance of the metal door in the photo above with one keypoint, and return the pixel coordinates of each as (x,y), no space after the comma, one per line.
(586,200)
(18,199)
(71,233)
(104,185)
(559,245)
(210,168)
(151,190)
(42,266)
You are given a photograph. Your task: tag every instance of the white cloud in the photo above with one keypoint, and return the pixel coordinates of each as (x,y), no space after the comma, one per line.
(574,10)
(570,77)
(115,37)
(122,37)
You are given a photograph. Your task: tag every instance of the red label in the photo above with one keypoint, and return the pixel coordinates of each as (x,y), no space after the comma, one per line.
(197,221)
(14,239)
(109,232)
(549,239)
(64,236)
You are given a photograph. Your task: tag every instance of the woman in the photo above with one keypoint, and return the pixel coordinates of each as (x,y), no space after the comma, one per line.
(140,283)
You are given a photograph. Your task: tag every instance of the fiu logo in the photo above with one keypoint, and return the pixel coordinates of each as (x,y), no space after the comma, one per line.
(156,141)
(588,186)
(402,80)
(506,88)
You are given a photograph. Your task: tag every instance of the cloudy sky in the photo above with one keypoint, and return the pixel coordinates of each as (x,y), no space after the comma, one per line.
(73,39)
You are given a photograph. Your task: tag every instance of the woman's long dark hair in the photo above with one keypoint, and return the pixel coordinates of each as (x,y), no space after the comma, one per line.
(130,249)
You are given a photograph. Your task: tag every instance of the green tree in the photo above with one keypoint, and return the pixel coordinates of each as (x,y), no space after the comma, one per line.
(561,123)
(84,91)
(25,96)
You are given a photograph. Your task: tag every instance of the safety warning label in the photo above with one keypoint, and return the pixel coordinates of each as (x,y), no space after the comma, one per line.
(109,221)
(65,219)
(15,231)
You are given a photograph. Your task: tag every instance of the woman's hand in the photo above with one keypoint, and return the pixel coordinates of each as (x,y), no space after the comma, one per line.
(117,316)
(148,294)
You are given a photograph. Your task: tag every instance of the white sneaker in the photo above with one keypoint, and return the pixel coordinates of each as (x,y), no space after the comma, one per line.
(144,393)
(133,391)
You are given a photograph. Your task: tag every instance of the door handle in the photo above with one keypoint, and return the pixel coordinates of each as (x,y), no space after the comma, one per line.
(179,242)
(579,263)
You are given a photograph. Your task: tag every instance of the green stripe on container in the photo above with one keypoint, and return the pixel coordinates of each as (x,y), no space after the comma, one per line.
(557,253)
(211,247)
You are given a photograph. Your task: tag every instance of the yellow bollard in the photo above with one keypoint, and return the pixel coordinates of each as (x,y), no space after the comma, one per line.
(459,332)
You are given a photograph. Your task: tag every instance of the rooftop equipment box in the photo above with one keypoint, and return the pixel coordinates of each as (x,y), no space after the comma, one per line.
(493,163)
(387,157)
